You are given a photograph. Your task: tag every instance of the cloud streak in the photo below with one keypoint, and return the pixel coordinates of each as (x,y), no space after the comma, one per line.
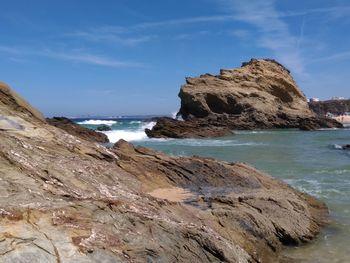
(273,32)
(74,56)
(333,57)
(109,35)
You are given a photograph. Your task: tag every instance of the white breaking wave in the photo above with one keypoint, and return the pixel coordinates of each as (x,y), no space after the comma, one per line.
(135,122)
(129,135)
(176,117)
(98,122)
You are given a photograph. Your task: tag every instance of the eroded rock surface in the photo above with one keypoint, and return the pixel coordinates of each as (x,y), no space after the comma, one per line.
(171,128)
(261,94)
(66,199)
(77,130)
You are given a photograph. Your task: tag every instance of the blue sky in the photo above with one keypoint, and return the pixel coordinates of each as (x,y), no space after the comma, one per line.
(124,57)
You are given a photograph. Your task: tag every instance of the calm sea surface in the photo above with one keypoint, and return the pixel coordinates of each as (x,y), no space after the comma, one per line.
(309,161)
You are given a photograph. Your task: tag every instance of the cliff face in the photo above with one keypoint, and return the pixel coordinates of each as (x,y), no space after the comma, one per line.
(65,199)
(262,86)
(331,106)
(259,95)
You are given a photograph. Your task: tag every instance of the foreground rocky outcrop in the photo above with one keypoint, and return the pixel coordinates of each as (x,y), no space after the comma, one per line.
(77,130)
(259,95)
(66,199)
(330,106)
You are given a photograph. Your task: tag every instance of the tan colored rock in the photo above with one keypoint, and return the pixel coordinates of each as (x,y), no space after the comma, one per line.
(65,199)
(261,85)
(261,94)
(16,103)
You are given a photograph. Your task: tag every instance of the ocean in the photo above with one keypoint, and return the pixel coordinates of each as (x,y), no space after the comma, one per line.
(309,161)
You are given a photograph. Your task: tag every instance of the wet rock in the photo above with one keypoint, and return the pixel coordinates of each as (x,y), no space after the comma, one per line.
(103,128)
(77,130)
(261,94)
(311,124)
(171,128)
(346,147)
(64,199)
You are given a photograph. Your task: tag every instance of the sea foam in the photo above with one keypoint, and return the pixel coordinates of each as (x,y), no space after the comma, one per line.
(98,122)
(129,135)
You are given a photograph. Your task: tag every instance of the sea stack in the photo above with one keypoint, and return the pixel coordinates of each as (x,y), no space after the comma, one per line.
(67,199)
(261,94)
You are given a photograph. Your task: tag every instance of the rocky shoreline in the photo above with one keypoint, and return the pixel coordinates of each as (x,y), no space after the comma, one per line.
(67,199)
(330,106)
(261,94)
(77,130)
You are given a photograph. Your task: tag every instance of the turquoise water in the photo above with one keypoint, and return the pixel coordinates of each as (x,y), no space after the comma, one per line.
(309,161)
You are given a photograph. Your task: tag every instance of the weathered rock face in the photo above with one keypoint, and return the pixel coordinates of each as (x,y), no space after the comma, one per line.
(260,95)
(331,106)
(170,128)
(65,199)
(258,86)
(77,130)
(14,102)
(248,208)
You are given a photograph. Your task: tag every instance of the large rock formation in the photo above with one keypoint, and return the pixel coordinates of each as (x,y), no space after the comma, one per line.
(259,95)
(330,106)
(66,199)
(77,130)
(262,86)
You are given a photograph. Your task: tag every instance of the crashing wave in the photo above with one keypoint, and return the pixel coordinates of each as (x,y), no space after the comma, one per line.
(129,135)
(98,122)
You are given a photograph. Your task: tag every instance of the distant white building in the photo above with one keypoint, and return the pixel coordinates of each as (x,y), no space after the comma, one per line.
(338,98)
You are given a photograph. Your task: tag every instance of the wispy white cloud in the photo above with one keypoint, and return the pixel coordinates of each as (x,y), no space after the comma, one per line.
(336,12)
(332,57)
(111,36)
(252,11)
(333,12)
(183,21)
(242,34)
(91,59)
(74,55)
(301,35)
(273,32)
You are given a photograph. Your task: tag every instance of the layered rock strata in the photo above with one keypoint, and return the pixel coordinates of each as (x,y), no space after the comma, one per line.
(261,94)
